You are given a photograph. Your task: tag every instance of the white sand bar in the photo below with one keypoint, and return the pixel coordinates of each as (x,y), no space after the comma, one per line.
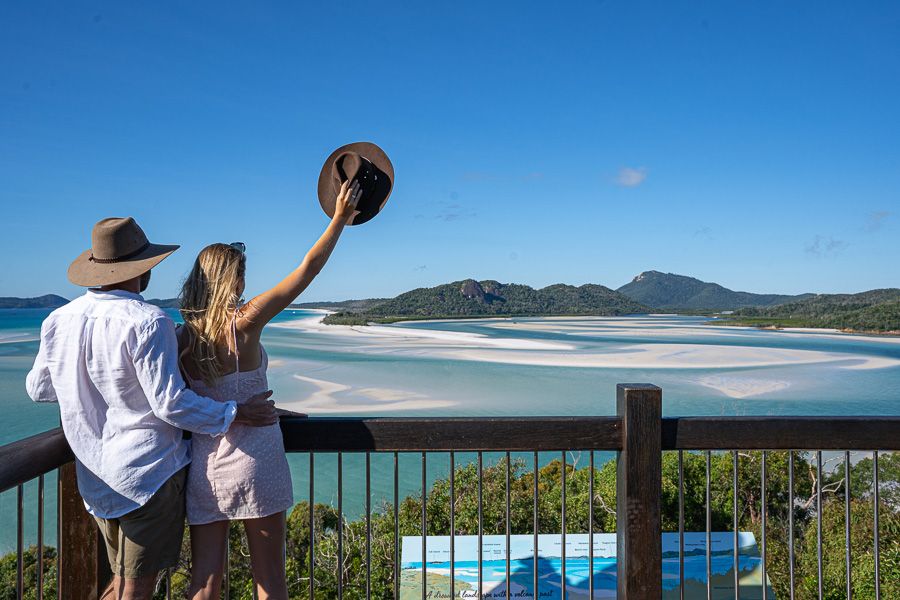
(419,337)
(332,397)
(520,351)
(676,356)
(735,386)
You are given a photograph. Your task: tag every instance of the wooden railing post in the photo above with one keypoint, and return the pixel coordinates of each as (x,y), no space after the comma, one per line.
(83,563)
(638,492)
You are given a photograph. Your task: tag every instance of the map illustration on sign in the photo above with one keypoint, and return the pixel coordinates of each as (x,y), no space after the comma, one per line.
(577,567)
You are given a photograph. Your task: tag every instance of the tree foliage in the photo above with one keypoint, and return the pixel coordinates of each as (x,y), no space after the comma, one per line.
(875,310)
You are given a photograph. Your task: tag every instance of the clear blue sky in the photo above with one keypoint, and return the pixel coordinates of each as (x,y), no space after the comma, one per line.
(752,144)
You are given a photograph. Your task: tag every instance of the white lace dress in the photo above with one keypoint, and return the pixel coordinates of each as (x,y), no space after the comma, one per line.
(243,474)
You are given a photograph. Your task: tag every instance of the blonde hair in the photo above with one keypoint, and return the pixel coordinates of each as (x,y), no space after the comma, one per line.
(210,298)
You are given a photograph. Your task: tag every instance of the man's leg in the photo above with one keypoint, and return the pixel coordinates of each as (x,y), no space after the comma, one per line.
(130,589)
(113,539)
(150,540)
(139,588)
(113,590)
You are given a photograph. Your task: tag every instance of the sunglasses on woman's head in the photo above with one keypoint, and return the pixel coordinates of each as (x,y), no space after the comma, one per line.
(240,246)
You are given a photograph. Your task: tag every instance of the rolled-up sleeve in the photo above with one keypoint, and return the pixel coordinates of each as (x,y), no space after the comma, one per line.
(38,383)
(156,365)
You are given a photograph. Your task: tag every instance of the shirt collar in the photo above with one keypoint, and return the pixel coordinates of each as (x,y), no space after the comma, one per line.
(112,294)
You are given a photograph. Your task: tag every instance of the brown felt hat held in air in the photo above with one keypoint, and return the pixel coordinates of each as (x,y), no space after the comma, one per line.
(367,164)
(119,251)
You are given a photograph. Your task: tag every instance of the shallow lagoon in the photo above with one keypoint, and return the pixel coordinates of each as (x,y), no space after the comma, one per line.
(522,366)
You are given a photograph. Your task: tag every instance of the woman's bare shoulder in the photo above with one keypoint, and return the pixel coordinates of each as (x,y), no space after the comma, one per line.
(249,322)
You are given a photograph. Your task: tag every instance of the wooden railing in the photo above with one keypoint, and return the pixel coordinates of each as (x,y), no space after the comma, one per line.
(638,433)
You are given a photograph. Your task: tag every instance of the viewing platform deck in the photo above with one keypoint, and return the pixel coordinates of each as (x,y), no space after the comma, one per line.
(762,453)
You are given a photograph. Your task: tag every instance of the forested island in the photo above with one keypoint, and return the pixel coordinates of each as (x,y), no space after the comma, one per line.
(875,311)
(489,298)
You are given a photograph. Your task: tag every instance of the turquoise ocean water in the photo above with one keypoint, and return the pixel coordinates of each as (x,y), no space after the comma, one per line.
(503,367)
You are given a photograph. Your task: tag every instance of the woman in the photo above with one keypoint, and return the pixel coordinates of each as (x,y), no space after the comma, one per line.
(243,474)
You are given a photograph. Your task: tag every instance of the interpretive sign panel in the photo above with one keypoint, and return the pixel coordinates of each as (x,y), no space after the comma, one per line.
(577,566)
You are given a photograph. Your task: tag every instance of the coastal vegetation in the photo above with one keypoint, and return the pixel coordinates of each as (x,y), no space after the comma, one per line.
(437,499)
(873,311)
(344,305)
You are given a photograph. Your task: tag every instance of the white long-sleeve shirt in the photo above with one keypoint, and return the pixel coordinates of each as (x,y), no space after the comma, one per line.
(111,361)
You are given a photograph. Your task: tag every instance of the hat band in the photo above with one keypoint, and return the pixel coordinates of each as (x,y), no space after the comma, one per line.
(128,256)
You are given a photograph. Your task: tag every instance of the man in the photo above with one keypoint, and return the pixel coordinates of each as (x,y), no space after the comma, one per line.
(111,361)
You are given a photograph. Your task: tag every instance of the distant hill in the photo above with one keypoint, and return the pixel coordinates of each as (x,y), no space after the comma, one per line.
(165,302)
(54,301)
(344,305)
(470,298)
(875,310)
(679,292)
(47,301)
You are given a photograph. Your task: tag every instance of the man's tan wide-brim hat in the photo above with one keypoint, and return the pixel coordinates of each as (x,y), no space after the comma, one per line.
(119,251)
(367,164)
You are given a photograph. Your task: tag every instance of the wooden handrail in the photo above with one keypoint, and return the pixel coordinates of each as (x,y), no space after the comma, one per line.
(26,459)
(781,433)
(408,434)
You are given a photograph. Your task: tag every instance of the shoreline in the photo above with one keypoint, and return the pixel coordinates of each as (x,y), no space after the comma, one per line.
(846,331)
(712,321)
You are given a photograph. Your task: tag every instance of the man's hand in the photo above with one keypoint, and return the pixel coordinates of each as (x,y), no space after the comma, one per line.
(258,411)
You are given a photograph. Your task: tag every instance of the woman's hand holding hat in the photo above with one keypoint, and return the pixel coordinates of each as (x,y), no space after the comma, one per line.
(347,200)
(364,164)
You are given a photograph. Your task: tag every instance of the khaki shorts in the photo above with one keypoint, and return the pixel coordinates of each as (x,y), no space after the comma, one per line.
(148,539)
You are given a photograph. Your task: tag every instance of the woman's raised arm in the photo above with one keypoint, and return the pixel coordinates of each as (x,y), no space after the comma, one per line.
(263,308)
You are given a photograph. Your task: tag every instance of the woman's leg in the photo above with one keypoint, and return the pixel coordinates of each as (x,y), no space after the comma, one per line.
(266,539)
(208,543)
